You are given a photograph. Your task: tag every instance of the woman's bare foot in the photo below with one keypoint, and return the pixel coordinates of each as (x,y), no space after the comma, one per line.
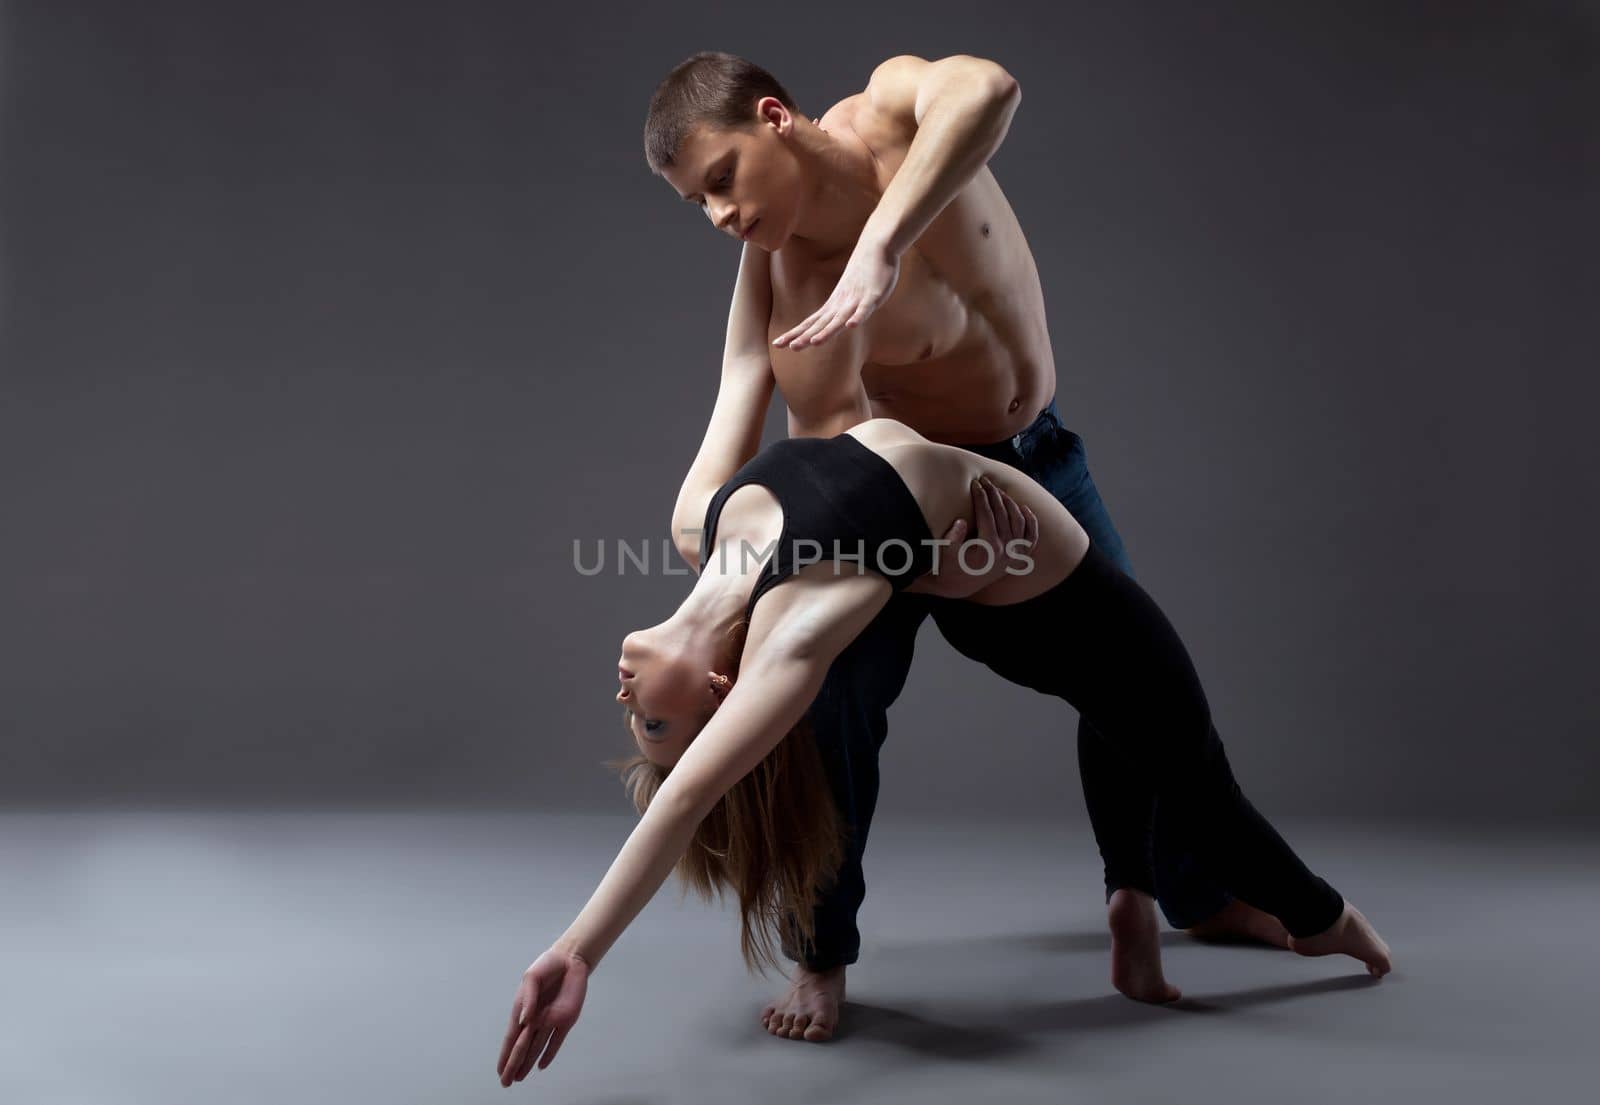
(1136,948)
(1353,935)
(810,1010)
(1238,921)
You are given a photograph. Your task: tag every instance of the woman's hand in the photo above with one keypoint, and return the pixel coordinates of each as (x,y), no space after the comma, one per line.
(546,1007)
(1007,533)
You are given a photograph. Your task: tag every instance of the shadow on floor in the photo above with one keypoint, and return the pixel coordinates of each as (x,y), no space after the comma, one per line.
(1086,941)
(1003,1032)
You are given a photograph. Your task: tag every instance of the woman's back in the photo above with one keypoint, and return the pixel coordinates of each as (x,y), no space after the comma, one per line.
(829,492)
(806,500)
(939,477)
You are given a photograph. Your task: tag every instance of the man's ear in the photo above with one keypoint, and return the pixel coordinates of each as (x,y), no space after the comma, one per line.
(770,109)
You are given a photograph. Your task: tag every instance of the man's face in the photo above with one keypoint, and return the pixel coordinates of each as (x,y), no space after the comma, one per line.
(745,179)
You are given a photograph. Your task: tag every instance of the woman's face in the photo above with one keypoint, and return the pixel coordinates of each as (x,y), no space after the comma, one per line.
(669,695)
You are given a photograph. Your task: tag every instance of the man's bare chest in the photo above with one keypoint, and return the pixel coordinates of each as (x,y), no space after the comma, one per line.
(969,263)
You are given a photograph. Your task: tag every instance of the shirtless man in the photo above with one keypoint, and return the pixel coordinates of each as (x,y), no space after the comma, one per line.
(884,274)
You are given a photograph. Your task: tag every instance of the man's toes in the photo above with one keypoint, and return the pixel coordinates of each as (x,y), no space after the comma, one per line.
(798,1027)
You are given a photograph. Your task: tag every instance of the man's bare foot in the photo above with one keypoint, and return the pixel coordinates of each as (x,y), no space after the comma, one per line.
(1237,921)
(1136,948)
(810,1010)
(1353,935)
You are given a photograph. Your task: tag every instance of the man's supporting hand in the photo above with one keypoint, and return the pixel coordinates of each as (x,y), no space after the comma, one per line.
(1007,534)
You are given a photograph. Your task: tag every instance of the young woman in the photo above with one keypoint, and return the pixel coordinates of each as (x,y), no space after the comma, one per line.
(712,693)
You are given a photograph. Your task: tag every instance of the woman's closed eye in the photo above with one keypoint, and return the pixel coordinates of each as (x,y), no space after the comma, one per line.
(653,726)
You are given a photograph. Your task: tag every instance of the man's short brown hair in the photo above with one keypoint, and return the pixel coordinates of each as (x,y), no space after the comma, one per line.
(712,89)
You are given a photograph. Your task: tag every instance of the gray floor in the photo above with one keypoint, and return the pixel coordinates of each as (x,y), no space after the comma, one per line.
(171,958)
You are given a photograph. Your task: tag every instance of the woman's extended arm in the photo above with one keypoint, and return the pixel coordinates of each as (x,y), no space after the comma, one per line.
(779,675)
(766,702)
(757,713)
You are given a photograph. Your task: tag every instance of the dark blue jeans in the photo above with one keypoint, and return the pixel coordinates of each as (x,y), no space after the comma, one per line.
(850,714)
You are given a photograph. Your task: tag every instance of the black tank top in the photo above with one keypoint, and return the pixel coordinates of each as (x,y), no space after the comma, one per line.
(840,494)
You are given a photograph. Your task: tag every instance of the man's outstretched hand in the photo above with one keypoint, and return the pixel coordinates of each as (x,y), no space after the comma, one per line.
(867,281)
(546,1007)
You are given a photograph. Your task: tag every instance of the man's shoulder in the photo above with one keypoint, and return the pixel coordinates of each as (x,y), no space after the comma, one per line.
(885,138)
(892,89)
(877,117)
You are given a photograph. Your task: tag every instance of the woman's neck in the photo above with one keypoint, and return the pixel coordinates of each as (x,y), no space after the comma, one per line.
(719,598)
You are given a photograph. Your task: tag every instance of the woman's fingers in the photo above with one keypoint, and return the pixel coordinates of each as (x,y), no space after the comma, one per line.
(549,1000)
(527,1024)
(511,1038)
(512,1032)
(534,1053)
(511,1072)
(555,1045)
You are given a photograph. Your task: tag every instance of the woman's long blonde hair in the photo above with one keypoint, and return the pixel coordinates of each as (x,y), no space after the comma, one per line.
(775,839)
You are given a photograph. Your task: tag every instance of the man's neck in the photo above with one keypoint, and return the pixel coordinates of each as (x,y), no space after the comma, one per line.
(843,194)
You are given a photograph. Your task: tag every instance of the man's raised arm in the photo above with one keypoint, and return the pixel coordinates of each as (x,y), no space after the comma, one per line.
(958,110)
(734,433)
(955,112)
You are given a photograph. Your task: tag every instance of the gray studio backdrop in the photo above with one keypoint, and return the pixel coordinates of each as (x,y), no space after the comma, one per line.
(328,329)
